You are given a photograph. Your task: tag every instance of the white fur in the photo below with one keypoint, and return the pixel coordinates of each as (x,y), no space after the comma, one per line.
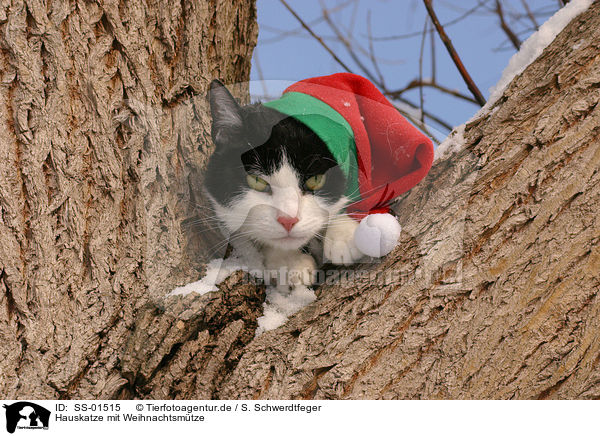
(255,214)
(253,217)
(339,246)
(289,268)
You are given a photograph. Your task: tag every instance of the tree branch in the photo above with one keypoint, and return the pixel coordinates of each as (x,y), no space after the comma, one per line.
(432,84)
(530,14)
(506,28)
(453,54)
(421,96)
(314,35)
(366,71)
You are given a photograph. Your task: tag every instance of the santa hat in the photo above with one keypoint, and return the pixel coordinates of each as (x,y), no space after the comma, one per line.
(381,153)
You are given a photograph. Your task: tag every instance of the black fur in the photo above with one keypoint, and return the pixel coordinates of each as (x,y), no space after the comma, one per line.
(253,140)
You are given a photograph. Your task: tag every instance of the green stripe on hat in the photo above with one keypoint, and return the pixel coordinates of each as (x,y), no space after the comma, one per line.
(330,126)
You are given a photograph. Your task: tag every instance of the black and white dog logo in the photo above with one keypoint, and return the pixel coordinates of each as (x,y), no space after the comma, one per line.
(26,415)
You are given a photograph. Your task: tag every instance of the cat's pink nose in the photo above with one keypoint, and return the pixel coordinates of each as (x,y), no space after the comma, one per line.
(287,221)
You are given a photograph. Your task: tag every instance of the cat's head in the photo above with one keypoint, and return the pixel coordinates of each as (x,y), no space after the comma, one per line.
(271,178)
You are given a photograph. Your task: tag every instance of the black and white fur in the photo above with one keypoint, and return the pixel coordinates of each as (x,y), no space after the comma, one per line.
(261,141)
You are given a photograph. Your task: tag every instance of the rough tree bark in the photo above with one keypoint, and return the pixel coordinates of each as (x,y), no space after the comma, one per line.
(101,146)
(494,289)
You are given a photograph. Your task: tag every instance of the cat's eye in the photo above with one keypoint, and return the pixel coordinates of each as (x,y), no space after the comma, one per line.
(315,182)
(256,183)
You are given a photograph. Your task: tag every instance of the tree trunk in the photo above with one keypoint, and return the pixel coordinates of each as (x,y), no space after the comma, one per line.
(493,291)
(101,147)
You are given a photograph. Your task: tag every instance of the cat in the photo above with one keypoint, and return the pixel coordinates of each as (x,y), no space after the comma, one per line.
(276,189)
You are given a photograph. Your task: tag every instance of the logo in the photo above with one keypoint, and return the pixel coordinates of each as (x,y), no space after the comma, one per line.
(26,415)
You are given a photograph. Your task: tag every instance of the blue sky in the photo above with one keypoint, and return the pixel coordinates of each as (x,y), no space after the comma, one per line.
(480,42)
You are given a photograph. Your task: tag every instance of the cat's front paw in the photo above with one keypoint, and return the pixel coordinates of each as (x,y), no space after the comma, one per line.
(288,270)
(302,271)
(338,246)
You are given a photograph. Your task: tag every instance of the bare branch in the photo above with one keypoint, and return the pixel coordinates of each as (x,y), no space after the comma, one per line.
(530,14)
(432,84)
(422,49)
(284,33)
(368,73)
(433,63)
(453,54)
(353,17)
(314,35)
(261,77)
(506,28)
(445,25)
(349,48)
(372,51)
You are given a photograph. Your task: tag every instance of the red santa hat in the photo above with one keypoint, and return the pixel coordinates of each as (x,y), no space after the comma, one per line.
(390,155)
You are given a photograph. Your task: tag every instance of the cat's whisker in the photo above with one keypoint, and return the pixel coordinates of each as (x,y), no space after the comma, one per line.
(214,231)
(367,192)
(200,205)
(208,224)
(364,193)
(223,244)
(205,223)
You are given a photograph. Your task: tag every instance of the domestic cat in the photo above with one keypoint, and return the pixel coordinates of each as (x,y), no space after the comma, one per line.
(276,189)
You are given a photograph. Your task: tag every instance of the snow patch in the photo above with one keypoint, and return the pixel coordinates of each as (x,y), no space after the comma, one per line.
(535,45)
(270,320)
(452,143)
(278,306)
(217,270)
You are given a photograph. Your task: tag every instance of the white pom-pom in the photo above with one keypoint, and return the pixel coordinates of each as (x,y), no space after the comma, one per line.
(377,234)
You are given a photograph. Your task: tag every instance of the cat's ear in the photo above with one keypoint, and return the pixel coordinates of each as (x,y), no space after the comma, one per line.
(226,114)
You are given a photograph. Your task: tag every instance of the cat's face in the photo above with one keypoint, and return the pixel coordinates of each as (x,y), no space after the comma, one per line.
(271,179)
